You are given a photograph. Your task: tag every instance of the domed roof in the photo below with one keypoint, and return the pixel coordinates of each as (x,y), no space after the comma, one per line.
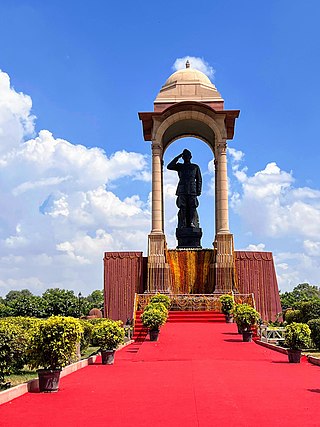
(188,75)
(187,84)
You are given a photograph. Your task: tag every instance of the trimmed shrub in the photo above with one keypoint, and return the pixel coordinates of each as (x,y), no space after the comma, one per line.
(14,342)
(157,305)
(164,299)
(227,303)
(86,337)
(314,326)
(297,336)
(293,316)
(26,326)
(309,310)
(53,345)
(153,318)
(245,316)
(108,334)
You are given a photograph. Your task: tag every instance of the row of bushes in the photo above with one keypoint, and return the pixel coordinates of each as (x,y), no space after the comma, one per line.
(302,330)
(51,343)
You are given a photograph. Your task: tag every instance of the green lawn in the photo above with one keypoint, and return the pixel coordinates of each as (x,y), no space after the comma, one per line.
(28,374)
(24,376)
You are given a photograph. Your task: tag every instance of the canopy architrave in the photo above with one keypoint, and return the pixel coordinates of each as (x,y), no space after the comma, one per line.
(155,124)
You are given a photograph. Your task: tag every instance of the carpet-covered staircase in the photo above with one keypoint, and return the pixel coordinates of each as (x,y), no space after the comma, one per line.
(140,332)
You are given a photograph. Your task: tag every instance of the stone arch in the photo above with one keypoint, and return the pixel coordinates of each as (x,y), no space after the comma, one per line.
(162,127)
(199,119)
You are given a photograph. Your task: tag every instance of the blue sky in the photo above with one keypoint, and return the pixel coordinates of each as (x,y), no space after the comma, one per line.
(75,179)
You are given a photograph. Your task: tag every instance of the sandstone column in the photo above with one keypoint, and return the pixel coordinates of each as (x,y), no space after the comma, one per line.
(224,257)
(157,215)
(215,194)
(221,187)
(159,278)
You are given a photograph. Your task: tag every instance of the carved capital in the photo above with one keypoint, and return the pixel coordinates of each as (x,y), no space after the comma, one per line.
(156,149)
(221,148)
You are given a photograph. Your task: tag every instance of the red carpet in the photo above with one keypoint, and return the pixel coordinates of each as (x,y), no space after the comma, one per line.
(198,374)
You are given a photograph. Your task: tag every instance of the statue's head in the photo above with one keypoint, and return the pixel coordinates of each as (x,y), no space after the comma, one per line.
(186,155)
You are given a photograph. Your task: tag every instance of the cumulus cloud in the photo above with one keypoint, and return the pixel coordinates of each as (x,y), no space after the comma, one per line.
(59,209)
(260,247)
(284,215)
(195,62)
(280,209)
(16,121)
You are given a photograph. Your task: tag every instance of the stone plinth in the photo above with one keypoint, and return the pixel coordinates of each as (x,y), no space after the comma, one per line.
(189,237)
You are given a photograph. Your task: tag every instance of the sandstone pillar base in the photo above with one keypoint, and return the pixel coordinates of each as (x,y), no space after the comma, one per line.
(224,268)
(159,275)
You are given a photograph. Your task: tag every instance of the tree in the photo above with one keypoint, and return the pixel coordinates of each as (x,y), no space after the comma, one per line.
(23,303)
(302,292)
(96,299)
(13,295)
(29,306)
(60,302)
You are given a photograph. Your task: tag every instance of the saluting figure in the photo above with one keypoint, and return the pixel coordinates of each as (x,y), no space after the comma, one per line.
(189,187)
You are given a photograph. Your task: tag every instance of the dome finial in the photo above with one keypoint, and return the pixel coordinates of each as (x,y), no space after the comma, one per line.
(187,64)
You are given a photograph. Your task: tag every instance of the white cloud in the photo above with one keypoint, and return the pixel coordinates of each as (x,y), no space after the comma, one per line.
(195,62)
(260,247)
(280,209)
(16,121)
(59,212)
(312,248)
(271,207)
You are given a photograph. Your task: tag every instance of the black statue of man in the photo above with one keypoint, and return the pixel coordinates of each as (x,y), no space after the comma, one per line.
(189,187)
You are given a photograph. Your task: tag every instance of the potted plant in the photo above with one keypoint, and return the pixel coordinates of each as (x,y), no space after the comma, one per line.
(246,318)
(164,299)
(157,305)
(53,346)
(108,335)
(153,317)
(297,336)
(227,305)
(236,309)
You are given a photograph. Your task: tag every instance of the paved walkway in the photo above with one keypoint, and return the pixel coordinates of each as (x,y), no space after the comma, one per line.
(198,374)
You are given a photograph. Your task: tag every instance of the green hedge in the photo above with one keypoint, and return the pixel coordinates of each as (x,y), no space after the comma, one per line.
(14,342)
(314,326)
(309,310)
(86,337)
(293,316)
